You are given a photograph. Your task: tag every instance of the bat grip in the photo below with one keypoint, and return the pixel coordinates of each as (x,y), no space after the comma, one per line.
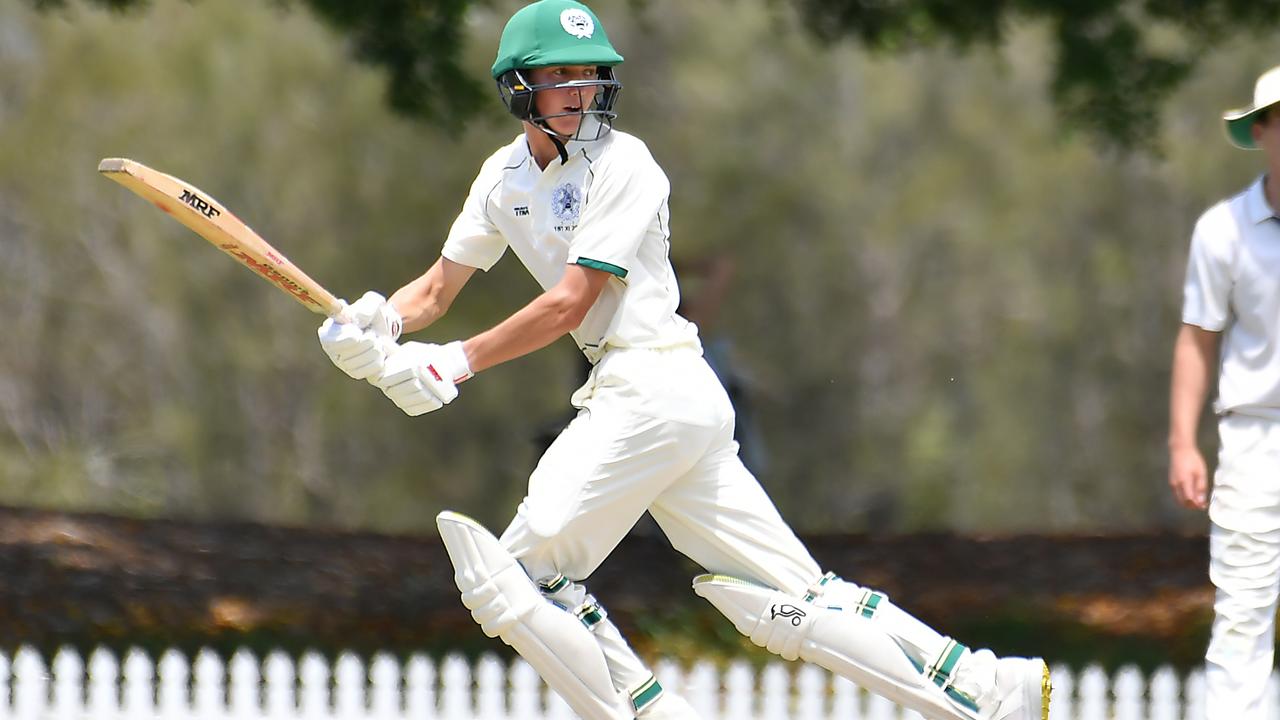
(342,313)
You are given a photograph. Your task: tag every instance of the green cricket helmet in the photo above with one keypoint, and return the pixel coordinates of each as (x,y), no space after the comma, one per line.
(551,33)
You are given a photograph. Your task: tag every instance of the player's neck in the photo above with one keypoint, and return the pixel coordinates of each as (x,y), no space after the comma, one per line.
(541,147)
(1271,191)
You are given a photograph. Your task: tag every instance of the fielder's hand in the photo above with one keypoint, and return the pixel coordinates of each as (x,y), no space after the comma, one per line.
(360,347)
(419,377)
(1189,478)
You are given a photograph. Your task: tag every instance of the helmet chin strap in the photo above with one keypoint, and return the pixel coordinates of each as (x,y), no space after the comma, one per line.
(542,125)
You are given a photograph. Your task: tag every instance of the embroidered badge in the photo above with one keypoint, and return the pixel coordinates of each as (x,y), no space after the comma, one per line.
(566,203)
(577,23)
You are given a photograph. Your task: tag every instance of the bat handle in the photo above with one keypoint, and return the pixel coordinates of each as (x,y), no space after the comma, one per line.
(342,313)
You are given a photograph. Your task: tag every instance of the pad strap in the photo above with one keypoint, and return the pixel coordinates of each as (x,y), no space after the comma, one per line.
(554,584)
(646,695)
(865,604)
(820,586)
(941,671)
(590,613)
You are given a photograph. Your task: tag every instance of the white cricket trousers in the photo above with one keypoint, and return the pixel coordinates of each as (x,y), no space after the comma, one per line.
(654,432)
(1244,565)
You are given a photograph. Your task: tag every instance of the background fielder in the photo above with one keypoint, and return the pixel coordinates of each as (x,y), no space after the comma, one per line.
(585,210)
(1231,305)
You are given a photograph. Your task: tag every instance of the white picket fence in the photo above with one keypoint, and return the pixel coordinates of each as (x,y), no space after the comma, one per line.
(277,688)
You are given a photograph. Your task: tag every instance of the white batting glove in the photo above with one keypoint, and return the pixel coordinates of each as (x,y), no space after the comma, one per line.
(360,346)
(420,377)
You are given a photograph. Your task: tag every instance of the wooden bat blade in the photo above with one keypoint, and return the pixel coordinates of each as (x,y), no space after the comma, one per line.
(210,220)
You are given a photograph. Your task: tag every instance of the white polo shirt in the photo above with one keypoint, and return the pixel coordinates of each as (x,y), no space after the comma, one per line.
(1233,286)
(604,208)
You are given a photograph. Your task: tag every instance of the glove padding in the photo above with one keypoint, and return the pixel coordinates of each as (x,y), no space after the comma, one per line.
(360,346)
(421,377)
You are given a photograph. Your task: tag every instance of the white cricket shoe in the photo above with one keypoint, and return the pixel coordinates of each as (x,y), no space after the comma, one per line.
(1015,688)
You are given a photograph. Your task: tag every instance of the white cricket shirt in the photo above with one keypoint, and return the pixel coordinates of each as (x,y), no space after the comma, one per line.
(1233,286)
(604,208)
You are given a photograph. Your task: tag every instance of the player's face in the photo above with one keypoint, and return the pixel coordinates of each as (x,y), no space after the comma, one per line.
(1266,135)
(566,102)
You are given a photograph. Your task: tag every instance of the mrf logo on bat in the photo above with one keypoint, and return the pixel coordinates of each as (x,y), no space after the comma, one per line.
(200,204)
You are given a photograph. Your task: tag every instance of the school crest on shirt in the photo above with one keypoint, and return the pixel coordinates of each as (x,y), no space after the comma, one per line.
(566,205)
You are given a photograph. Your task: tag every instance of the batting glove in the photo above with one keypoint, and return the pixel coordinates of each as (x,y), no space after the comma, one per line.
(361,336)
(421,377)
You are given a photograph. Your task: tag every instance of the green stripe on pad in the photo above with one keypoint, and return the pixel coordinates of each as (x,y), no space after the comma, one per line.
(592,617)
(600,265)
(869,606)
(644,696)
(553,585)
(942,674)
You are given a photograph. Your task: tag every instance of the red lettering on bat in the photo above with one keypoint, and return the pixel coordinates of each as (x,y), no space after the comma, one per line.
(285,283)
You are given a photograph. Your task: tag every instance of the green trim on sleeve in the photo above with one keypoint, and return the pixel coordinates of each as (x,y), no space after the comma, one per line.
(598,265)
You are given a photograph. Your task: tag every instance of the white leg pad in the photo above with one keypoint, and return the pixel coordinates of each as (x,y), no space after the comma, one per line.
(846,643)
(504,601)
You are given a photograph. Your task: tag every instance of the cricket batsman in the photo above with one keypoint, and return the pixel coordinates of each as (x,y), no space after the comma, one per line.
(584,208)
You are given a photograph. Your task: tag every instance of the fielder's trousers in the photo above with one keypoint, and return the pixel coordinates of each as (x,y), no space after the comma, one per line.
(1244,566)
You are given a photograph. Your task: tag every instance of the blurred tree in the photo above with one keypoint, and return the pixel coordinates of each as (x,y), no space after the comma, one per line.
(418,43)
(961,314)
(1115,62)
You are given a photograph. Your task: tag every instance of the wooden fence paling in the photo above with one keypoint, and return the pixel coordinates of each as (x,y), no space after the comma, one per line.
(279,688)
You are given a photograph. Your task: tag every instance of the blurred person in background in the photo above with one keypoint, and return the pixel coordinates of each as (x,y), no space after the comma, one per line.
(704,285)
(585,209)
(1231,331)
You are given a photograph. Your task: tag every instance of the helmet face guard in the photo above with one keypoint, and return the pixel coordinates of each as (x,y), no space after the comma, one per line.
(518,95)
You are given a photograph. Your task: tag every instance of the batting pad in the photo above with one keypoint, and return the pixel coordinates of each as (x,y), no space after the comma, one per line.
(507,605)
(846,643)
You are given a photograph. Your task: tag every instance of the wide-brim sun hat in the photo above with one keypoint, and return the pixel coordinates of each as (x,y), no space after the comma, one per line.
(1266,93)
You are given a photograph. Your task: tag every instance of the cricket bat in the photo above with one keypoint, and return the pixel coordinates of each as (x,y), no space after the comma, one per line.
(198,210)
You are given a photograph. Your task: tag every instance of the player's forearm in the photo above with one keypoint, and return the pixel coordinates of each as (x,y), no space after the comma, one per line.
(427,298)
(417,305)
(533,327)
(1194,355)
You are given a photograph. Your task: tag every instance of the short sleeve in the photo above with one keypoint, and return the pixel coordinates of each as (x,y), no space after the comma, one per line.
(473,239)
(1206,293)
(621,204)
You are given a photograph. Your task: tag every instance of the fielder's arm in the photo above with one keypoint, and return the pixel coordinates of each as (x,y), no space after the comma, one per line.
(1195,354)
(428,297)
(535,326)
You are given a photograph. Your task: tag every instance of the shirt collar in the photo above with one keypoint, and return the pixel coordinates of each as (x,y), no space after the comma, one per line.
(573,149)
(1256,207)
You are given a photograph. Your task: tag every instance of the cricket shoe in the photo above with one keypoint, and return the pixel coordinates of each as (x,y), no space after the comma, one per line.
(1015,688)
